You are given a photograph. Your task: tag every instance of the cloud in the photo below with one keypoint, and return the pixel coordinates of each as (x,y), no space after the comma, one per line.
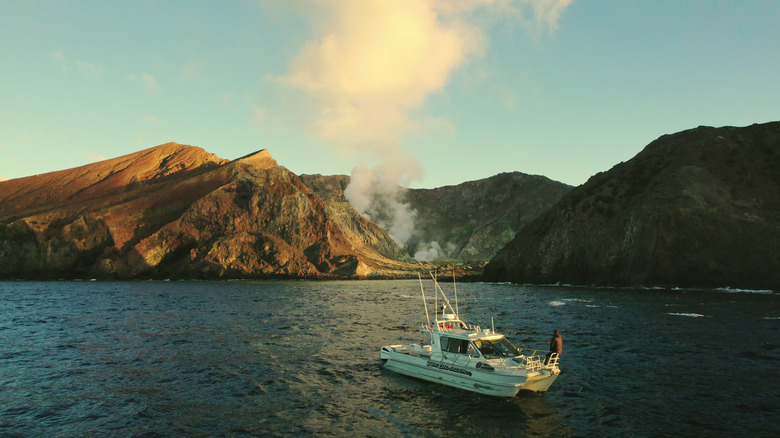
(147,80)
(226,98)
(84,68)
(193,72)
(27,136)
(537,16)
(374,63)
(548,12)
(152,120)
(258,114)
(93,157)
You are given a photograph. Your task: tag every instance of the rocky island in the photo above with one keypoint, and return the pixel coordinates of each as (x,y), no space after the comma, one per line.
(700,208)
(176,211)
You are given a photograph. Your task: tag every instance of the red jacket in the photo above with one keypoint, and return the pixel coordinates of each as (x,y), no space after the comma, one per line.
(556,344)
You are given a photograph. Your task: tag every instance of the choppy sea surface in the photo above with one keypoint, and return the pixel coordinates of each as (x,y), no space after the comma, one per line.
(301,358)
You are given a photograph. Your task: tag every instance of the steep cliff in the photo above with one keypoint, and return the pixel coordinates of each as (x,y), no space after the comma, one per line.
(474,219)
(700,208)
(176,211)
(331,190)
(470,221)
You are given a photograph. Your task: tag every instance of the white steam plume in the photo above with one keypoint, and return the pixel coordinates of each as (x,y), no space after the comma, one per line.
(430,251)
(373,62)
(377,194)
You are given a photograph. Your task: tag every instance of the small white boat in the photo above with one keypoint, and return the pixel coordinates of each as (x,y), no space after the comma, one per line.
(469,357)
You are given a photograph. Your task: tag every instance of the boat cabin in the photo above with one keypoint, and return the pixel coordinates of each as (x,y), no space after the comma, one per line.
(454,336)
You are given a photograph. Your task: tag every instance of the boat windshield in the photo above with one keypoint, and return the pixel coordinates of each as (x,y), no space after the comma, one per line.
(496,348)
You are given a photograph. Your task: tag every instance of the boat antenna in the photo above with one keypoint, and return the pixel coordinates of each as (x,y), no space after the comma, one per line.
(436,301)
(446,300)
(424,303)
(456,293)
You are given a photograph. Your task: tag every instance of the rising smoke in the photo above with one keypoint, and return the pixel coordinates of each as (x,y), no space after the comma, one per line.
(372,63)
(430,251)
(377,193)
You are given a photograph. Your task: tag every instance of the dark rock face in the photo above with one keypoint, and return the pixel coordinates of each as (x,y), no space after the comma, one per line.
(331,190)
(71,247)
(469,221)
(473,220)
(700,208)
(177,211)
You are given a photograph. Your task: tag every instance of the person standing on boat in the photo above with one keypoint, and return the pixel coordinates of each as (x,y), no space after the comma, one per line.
(556,346)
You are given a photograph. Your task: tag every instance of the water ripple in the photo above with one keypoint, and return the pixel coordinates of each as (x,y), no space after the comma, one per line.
(301,359)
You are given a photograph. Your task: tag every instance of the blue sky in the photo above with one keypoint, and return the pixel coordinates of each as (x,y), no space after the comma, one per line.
(454,91)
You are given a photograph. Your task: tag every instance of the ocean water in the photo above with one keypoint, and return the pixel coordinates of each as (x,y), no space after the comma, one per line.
(301,358)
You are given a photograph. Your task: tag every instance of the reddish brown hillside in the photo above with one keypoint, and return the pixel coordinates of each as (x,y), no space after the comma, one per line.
(176,211)
(84,184)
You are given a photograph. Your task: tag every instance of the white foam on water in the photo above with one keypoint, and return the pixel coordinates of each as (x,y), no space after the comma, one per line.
(692,315)
(747,291)
(557,303)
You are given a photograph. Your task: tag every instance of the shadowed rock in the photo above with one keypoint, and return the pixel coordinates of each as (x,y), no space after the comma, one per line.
(469,221)
(474,219)
(700,208)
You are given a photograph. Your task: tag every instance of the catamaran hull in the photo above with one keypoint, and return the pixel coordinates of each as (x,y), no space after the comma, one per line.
(467,377)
